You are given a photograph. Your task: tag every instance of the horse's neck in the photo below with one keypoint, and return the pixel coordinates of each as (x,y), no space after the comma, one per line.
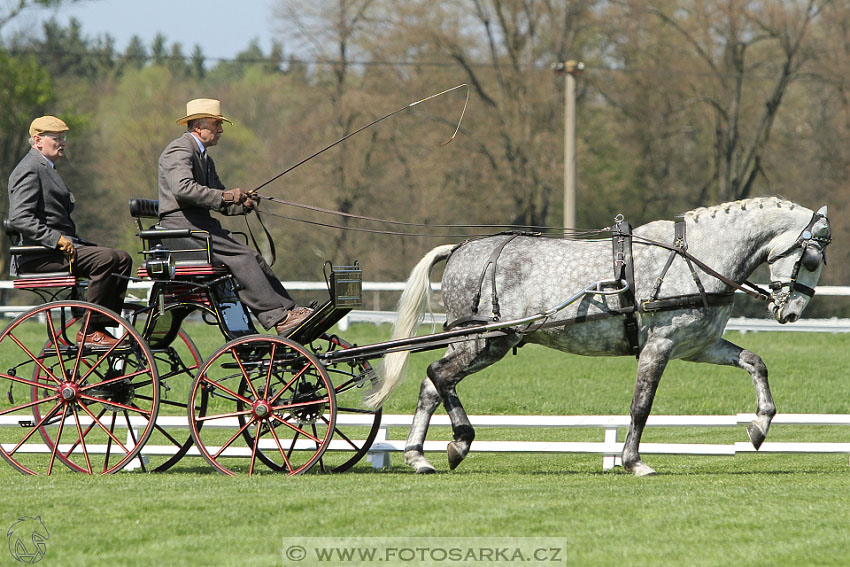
(736,242)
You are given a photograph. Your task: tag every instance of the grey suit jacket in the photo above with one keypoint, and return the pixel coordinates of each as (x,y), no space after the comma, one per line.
(189,184)
(40,204)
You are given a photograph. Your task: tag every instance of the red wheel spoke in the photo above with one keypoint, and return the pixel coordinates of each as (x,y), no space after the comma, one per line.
(34,359)
(99,424)
(29,382)
(254,449)
(58,440)
(109,444)
(80,348)
(34,429)
(136,409)
(232,439)
(223,415)
(245,373)
(114,379)
(302,404)
(52,330)
(82,439)
(288,384)
(280,448)
(30,404)
(228,390)
(90,426)
(269,373)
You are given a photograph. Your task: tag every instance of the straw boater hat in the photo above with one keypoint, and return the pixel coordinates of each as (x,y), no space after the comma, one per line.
(203,108)
(44,124)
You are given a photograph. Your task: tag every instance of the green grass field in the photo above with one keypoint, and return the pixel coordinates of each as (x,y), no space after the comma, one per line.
(743,510)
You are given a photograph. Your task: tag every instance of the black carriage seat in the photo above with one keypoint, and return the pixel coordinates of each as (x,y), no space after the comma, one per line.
(195,278)
(190,250)
(38,280)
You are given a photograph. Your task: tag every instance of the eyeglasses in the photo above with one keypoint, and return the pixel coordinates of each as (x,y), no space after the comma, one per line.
(57,137)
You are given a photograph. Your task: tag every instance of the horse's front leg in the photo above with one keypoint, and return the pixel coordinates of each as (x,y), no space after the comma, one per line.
(653,361)
(414,450)
(728,354)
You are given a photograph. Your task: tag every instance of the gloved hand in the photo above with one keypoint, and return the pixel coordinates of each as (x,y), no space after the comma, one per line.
(67,248)
(235,196)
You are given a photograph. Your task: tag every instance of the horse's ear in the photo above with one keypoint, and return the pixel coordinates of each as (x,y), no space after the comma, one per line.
(822,211)
(821,227)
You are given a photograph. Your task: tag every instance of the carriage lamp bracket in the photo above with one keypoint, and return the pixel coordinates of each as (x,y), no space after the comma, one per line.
(159,263)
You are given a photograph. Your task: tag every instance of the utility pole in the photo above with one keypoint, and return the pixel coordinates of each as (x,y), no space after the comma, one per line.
(570,69)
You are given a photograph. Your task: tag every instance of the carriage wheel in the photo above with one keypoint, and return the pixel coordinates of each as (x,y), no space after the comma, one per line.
(92,406)
(176,366)
(273,388)
(351,440)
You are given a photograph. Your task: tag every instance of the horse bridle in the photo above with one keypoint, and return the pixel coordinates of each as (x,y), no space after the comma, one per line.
(814,252)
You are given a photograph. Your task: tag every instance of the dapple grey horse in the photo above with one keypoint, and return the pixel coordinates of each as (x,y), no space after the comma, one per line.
(533,274)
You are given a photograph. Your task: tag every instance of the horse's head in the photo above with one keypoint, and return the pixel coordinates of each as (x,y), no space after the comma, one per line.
(795,264)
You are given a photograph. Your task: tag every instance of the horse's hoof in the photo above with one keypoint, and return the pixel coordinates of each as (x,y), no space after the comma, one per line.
(456,455)
(642,469)
(419,463)
(755,435)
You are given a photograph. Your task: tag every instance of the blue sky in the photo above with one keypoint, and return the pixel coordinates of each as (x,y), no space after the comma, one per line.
(221,27)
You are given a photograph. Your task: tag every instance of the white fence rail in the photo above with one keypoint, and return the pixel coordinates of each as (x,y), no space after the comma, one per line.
(609,448)
(743,324)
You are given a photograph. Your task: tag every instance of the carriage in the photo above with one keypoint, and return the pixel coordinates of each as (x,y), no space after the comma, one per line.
(262,402)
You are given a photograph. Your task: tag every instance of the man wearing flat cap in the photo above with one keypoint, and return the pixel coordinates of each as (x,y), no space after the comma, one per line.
(40,206)
(189,188)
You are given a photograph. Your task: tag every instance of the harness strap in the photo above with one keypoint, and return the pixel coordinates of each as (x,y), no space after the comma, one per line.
(624,269)
(755,291)
(494,257)
(690,301)
(466,320)
(680,243)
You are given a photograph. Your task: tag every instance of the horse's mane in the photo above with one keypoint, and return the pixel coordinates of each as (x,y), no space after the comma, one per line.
(742,205)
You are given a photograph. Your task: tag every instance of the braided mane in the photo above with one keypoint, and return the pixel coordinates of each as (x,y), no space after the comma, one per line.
(741,205)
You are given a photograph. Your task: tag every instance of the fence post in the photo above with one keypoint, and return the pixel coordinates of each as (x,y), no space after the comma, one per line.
(609,462)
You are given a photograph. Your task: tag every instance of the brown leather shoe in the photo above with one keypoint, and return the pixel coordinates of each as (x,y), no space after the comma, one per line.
(294,317)
(97,339)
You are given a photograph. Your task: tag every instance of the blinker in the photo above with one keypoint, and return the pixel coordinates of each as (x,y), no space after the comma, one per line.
(811,258)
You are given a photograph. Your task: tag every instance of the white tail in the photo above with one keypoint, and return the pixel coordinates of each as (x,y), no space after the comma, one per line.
(414,302)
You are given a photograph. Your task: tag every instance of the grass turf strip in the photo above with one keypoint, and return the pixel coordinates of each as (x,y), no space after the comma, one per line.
(750,509)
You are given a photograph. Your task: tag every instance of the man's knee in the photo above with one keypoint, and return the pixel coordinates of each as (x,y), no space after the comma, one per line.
(124,262)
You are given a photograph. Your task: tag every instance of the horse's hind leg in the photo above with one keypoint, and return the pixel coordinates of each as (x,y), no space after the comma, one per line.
(414,452)
(728,354)
(461,359)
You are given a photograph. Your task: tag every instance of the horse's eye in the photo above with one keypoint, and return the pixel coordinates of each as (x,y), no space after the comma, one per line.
(811,258)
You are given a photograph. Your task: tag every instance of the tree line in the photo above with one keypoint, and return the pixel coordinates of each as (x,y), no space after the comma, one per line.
(682,104)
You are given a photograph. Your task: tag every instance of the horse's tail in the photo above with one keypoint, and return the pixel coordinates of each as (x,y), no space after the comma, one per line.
(415,300)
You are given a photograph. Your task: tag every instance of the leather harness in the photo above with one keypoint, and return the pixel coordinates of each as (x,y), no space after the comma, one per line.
(623,263)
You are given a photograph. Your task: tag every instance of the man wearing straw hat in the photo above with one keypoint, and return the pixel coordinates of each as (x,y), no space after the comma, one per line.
(40,206)
(189,188)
